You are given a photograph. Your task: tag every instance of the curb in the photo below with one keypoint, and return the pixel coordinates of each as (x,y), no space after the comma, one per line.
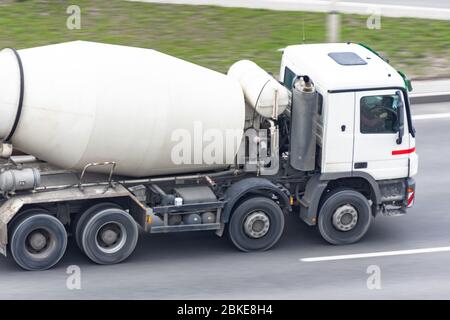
(432,97)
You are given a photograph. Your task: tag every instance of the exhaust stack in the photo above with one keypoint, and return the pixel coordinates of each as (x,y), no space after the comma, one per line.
(303,125)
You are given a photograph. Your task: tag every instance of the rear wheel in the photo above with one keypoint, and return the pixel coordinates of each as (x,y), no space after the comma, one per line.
(256,224)
(345,217)
(80,220)
(109,236)
(38,240)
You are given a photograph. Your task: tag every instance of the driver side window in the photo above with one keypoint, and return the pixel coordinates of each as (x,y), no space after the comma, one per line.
(378,114)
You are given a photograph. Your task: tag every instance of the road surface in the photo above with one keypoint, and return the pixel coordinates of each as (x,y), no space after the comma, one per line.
(434,9)
(200,265)
(413,3)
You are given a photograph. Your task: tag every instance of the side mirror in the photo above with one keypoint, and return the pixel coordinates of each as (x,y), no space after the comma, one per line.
(400,118)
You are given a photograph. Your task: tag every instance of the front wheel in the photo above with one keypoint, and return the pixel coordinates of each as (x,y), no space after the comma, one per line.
(345,217)
(256,224)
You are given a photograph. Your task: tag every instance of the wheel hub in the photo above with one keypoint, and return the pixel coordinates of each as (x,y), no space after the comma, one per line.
(345,217)
(37,241)
(257,224)
(111,237)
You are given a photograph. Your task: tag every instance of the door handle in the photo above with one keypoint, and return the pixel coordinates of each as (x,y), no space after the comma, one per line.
(360,165)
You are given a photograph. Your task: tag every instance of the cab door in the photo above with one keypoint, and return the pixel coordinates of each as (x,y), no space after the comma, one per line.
(381,145)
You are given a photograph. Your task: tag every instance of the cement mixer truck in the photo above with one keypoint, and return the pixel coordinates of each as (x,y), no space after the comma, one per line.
(101,142)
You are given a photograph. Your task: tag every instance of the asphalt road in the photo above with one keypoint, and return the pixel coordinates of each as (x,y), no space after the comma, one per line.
(434,9)
(200,265)
(413,3)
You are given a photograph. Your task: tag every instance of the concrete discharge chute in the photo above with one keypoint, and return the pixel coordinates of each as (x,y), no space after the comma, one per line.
(262,92)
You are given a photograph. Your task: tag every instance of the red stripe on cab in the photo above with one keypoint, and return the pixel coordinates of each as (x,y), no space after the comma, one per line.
(404,151)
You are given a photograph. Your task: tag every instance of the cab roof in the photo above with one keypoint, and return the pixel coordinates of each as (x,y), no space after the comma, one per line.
(341,66)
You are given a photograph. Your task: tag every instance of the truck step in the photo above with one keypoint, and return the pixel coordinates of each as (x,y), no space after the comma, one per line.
(181,228)
(394,212)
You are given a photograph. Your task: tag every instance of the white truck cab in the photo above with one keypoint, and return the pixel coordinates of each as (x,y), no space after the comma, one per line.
(359,98)
(364,126)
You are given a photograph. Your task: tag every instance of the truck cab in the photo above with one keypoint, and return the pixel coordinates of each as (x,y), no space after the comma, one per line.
(363,121)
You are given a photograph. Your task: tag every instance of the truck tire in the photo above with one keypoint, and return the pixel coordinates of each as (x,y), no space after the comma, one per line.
(38,240)
(256,224)
(109,236)
(344,217)
(80,220)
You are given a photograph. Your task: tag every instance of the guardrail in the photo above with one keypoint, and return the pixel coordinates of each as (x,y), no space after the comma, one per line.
(429,97)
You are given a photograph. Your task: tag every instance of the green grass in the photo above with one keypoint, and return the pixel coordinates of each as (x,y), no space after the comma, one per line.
(216,37)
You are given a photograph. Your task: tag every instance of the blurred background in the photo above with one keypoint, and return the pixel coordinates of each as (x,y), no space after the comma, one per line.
(216,37)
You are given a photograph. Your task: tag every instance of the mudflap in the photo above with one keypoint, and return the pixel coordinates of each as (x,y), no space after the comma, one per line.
(7,212)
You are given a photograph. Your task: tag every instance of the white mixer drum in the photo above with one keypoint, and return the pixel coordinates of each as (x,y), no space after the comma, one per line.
(88,102)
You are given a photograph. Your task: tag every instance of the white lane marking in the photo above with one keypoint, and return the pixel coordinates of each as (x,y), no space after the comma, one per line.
(431,116)
(376,254)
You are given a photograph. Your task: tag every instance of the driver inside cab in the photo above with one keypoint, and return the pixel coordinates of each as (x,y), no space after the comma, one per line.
(378,114)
